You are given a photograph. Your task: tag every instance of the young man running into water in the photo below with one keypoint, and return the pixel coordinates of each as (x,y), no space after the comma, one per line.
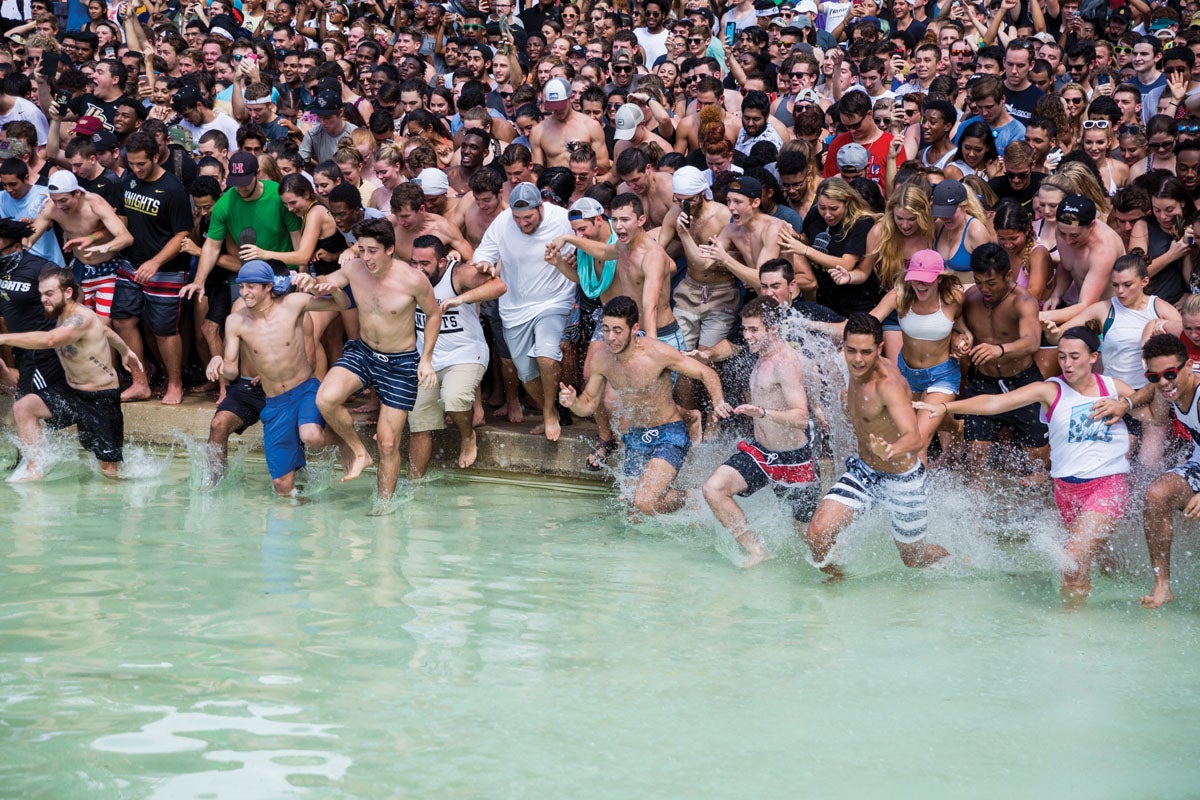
(385,354)
(89,398)
(886,471)
(273,333)
(639,369)
(779,453)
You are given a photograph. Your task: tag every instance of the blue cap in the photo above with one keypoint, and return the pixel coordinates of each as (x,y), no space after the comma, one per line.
(257,271)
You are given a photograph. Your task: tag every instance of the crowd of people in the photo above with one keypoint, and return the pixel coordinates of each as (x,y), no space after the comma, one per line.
(422,214)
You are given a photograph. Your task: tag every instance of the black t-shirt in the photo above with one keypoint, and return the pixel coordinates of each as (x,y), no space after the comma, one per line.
(89,105)
(837,242)
(1168,283)
(155,212)
(1020,104)
(181,165)
(108,186)
(1003,188)
(21,307)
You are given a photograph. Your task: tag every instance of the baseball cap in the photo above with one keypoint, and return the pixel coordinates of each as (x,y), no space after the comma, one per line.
(802,22)
(809,96)
(623,58)
(243,167)
(106,140)
(925,266)
(1122,14)
(63,182)
(88,125)
(1161,24)
(852,156)
(433,182)
(329,102)
(1043,37)
(524,196)
(585,208)
(1075,209)
(629,116)
(186,98)
(1195,22)
(13,148)
(556,94)
(807,7)
(256,271)
(745,185)
(947,197)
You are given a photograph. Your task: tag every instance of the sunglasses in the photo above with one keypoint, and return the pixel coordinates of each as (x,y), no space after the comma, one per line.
(622,70)
(1168,374)
(473,28)
(1018,176)
(1130,130)
(1075,101)
(959,52)
(1161,145)
(854,126)
(1176,70)
(1102,124)
(1123,51)
(695,40)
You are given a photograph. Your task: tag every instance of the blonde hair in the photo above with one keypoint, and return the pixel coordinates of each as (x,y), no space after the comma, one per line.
(1083,182)
(1190,304)
(949,289)
(839,191)
(390,153)
(912,198)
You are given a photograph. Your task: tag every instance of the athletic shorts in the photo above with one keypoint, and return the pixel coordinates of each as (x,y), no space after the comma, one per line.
(540,337)
(99,283)
(943,377)
(1190,472)
(97,415)
(394,375)
(220,293)
(668,442)
(1108,496)
(156,302)
(705,311)
(671,334)
(36,370)
(245,400)
(905,496)
(489,315)
(455,392)
(1028,429)
(282,417)
(792,474)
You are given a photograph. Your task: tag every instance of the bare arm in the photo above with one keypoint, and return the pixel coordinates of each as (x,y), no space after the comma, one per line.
(897,399)
(68,332)
(989,405)
(653,270)
(586,403)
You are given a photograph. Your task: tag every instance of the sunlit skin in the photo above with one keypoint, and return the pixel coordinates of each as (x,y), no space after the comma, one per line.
(973,151)
(1166,212)
(832,211)
(528,219)
(1096,144)
(518,173)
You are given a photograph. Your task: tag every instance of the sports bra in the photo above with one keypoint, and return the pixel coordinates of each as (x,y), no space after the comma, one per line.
(960,260)
(932,327)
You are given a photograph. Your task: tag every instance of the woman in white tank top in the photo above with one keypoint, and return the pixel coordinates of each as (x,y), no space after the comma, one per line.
(1087,454)
(1123,320)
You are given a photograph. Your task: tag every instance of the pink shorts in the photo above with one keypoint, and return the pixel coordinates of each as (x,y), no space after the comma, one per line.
(1108,496)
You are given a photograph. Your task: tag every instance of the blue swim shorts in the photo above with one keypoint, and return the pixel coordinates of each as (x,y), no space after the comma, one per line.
(282,417)
(668,442)
(394,375)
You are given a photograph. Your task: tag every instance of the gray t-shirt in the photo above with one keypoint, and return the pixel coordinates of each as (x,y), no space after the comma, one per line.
(320,146)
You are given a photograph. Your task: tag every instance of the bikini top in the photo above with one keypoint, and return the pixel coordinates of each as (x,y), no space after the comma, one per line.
(960,260)
(932,327)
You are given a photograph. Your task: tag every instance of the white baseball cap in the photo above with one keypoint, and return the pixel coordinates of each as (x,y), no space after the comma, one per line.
(433,182)
(629,116)
(63,182)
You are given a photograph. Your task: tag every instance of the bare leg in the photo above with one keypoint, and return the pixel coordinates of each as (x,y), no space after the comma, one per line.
(1167,494)
(719,491)
(478,416)
(550,371)
(468,445)
(223,424)
(337,387)
(387,436)
(512,392)
(110,469)
(977,458)
(128,330)
(28,413)
(828,522)
(654,494)
(171,349)
(1090,530)
(928,425)
(420,451)
(316,347)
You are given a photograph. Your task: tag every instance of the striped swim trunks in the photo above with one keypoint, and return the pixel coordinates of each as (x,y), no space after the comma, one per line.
(99,282)
(904,495)
(394,375)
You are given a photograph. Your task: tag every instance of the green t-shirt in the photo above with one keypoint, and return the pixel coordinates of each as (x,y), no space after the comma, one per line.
(271,221)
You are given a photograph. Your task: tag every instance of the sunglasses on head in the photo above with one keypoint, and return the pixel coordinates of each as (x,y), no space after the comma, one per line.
(1130,130)
(1088,124)
(1169,374)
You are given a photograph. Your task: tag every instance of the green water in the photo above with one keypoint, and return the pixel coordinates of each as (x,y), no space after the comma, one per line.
(501,640)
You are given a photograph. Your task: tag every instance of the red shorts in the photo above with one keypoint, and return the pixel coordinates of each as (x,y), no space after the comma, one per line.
(1108,496)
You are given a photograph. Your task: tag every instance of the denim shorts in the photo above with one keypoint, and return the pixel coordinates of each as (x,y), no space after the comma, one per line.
(943,377)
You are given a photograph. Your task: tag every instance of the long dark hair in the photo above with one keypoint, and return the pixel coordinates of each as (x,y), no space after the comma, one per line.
(979,130)
(1172,188)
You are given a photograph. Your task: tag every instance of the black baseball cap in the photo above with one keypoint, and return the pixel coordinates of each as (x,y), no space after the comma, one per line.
(186,98)
(745,185)
(328,103)
(1075,209)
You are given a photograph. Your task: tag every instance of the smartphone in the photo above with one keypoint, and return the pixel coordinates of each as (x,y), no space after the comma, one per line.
(1102,79)
(49,64)
(687,209)
(730,32)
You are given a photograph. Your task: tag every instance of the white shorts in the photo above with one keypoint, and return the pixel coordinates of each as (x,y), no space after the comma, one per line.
(904,495)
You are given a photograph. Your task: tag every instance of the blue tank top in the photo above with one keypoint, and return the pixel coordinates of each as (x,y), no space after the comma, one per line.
(960,260)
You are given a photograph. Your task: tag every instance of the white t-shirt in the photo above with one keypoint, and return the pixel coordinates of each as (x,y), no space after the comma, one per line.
(222,122)
(534,286)
(24,110)
(655,44)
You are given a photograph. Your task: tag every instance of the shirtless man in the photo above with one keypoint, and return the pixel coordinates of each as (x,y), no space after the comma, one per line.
(385,355)
(550,139)
(475,212)
(94,235)
(90,397)
(780,452)
(639,370)
(1176,391)
(754,235)
(413,220)
(271,331)
(887,470)
(1003,321)
(707,295)
(631,131)
(476,143)
(638,175)
(1087,248)
(709,94)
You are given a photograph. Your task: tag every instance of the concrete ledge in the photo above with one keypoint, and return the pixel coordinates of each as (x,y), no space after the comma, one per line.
(503,447)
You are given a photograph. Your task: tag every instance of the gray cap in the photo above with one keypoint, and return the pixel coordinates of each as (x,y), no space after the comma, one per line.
(852,156)
(524,196)
(947,197)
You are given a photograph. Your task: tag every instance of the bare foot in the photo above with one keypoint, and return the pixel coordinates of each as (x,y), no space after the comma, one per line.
(204,388)
(360,462)
(538,430)
(755,559)
(552,428)
(173,396)
(135,393)
(1159,596)
(468,451)
(514,412)
(24,476)
(221,396)
(480,418)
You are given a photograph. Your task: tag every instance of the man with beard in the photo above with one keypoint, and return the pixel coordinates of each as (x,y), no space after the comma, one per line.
(21,308)
(639,370)
(1187,165)
(89,397)
(552,139)
(472,151)
(413,220)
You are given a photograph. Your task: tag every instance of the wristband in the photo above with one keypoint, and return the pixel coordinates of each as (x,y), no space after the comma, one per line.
(1130,401)
(1002,351)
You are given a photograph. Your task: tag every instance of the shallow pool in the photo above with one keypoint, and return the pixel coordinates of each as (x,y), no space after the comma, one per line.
(520,640)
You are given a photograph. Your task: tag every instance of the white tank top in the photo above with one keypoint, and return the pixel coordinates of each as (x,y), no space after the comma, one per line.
(1121,347)
(1191,420)
(460,340)
(1081,447)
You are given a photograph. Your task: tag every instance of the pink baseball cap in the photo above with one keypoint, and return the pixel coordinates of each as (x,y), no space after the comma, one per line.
(925,266)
